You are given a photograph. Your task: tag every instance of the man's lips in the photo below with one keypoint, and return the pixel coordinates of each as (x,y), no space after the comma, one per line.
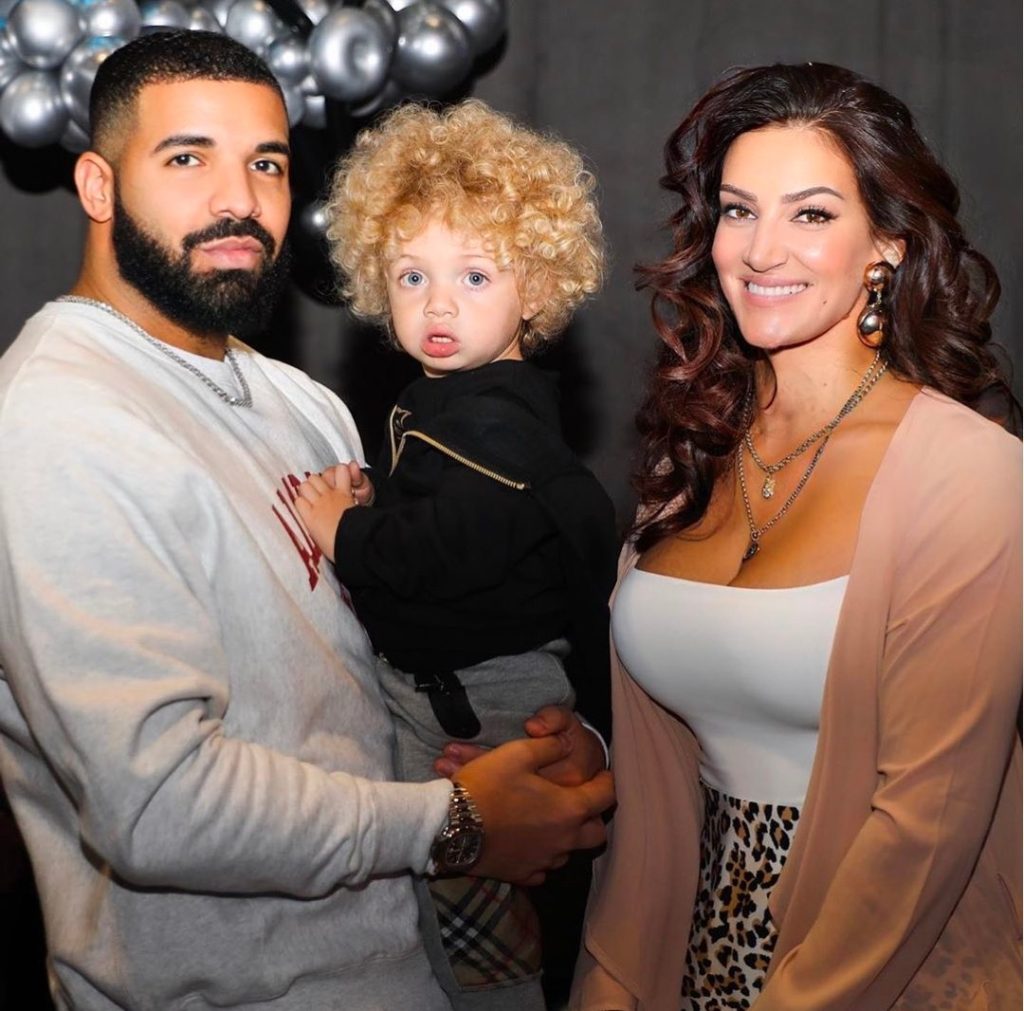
(237,251)
(229,228)
(235,242)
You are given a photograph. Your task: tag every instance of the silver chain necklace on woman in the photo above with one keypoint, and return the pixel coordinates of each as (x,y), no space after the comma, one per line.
(874,373)
(245,400)
(865,386)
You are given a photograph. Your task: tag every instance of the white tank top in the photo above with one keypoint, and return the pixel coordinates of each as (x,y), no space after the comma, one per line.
(744,668)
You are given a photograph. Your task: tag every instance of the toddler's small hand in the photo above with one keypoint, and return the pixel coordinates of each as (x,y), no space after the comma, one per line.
(321,504)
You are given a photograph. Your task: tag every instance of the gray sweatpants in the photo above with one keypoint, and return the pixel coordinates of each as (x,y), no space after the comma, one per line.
(503,692)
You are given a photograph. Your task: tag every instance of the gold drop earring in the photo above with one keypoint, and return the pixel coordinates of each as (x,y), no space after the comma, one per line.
(874,319)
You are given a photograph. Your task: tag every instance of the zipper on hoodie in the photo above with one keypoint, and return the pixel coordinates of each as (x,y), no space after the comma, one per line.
(458,458)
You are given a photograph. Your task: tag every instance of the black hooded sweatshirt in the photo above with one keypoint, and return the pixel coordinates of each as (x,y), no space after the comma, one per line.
(487,537)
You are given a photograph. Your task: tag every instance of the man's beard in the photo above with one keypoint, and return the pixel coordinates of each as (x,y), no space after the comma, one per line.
(208,303)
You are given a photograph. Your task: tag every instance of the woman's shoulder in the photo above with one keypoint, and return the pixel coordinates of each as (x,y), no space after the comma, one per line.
(942,417)
(943,434)
(949,464)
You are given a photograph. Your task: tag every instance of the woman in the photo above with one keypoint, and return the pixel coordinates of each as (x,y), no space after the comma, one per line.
(817,623)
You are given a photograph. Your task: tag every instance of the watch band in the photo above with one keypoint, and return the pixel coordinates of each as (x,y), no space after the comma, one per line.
(459,843)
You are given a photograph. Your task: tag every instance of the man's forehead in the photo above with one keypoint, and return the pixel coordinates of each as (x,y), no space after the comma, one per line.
(223,111)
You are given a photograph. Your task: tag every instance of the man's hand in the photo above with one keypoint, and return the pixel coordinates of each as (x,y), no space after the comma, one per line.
(361,486)
(585,759)
(587,756)
(321,504)
(531,825)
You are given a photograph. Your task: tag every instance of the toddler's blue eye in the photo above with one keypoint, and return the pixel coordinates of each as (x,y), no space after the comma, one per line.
(476,279)
(413,278)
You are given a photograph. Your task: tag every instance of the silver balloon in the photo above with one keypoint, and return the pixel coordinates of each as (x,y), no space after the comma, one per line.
(74,138)
(315,10)
(433,53)
(391,94)
(313,220)
(219,9)
(31,111)
(164,14)
(254,23)
(110,18)
(289,60)
(202,20)
(78,73)
(315,111)
(484,20)
(43,32)
(10,64)
(349,53)
(294,103)
(384,13)
(308,85)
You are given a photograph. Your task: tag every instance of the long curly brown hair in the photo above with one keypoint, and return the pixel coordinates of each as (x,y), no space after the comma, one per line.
(940,298)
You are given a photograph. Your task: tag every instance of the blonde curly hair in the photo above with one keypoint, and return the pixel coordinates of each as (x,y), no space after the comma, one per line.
(528,198)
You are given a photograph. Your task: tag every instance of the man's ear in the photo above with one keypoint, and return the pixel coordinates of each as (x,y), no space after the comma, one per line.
(94,180)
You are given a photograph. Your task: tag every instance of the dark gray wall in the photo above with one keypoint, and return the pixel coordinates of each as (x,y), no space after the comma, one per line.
(614,77)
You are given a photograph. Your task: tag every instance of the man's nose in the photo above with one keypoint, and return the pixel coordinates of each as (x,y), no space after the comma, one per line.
(235,195)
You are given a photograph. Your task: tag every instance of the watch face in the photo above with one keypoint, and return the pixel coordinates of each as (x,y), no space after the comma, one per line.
(463,851)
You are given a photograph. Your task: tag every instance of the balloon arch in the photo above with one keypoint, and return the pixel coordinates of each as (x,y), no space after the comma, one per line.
(367,56)
(339,63)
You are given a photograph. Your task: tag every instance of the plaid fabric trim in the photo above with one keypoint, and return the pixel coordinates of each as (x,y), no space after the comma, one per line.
(489,930)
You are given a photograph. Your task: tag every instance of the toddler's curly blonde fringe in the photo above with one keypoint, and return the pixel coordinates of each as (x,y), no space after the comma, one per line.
(528,197)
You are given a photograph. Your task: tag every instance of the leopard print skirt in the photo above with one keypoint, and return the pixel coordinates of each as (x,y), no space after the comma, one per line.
(742,850)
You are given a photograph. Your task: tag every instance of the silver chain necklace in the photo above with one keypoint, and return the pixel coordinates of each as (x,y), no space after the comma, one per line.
(873,374)
(757,532)
(245,400)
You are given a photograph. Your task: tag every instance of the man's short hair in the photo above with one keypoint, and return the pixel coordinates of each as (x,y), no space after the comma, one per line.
(160,58)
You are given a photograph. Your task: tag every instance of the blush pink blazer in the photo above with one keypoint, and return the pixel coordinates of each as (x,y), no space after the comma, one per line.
(902,889)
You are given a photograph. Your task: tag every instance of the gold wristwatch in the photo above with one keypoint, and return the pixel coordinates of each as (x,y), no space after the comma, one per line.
(457,847)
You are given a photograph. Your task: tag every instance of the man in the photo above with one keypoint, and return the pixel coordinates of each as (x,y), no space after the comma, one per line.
(190,732)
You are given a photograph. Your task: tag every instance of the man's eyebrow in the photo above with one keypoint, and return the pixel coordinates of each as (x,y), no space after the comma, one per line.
(197,140)
(183,140)
(274,147)
(789,198)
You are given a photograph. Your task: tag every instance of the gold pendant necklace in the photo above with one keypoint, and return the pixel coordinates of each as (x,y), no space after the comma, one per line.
(875,372)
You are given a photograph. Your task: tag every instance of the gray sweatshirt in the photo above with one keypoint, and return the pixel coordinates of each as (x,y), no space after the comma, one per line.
(191,734)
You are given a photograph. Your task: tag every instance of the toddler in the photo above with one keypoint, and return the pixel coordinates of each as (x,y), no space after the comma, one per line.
(483,566)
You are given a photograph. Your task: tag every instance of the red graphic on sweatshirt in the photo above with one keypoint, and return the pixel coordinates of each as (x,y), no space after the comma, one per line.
(304,544)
